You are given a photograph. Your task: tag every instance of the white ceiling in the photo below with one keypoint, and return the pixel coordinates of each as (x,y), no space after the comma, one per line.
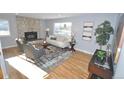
(48,15)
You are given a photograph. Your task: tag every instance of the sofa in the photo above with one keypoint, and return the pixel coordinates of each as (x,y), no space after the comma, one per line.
(20,44)
(59,41)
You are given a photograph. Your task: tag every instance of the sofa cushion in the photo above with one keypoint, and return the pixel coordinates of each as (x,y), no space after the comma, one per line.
(61,41)
(61,38)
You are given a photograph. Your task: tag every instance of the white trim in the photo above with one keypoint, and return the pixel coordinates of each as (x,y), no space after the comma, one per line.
(84,51)
(3,65)
(9,46)
(119,49)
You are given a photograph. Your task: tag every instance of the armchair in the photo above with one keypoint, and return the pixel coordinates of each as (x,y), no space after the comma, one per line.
(33,53)
(20,45)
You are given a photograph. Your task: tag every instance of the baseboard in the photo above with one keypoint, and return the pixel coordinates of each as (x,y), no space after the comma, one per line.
(9,46)
(84,51)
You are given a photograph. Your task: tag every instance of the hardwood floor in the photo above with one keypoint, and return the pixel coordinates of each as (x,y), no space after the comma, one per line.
(76,67)
(1,75)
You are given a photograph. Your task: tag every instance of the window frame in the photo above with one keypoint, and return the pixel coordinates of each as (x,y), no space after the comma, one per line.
(65,24)
(8,27)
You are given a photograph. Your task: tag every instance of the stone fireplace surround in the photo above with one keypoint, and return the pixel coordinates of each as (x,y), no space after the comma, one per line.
(26,24)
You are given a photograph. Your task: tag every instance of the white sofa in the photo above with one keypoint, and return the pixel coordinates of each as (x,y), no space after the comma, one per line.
(59,41)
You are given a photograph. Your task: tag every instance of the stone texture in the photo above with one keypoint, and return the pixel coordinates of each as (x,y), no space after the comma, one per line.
(25,24)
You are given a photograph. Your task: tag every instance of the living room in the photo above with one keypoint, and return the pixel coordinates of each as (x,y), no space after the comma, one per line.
(69,35)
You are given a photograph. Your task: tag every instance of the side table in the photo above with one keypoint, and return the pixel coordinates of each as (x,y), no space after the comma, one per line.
(72,47)
(45,45)
(99,71)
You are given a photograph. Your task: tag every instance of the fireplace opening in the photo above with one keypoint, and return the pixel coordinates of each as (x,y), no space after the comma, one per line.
(29,36)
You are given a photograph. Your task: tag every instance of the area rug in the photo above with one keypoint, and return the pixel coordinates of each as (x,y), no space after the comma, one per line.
(55,56)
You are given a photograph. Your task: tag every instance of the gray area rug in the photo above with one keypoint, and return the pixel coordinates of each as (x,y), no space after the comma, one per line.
(53,58)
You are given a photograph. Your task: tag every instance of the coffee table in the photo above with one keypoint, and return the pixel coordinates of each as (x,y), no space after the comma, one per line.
(72,46)
(45,45)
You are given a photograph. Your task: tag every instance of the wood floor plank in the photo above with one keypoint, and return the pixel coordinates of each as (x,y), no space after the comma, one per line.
(1,74)
(74,67)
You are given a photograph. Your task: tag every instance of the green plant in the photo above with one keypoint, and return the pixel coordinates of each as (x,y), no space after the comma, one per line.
(103,32)
(101,56)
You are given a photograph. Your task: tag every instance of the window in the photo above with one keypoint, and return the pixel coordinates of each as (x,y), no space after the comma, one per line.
(4,27)
(62,28)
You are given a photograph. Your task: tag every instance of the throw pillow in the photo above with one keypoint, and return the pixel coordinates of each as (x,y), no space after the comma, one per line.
(53,38)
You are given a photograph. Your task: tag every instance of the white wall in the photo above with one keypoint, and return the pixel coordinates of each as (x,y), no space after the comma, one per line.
(9,41)
(77,28)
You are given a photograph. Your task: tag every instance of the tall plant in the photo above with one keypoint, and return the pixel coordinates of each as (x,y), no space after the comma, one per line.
(103,32)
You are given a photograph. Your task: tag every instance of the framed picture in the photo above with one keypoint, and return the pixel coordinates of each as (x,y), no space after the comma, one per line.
(87,30)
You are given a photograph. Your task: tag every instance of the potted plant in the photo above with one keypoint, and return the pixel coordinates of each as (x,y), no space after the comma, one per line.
(103,32)
(100,56)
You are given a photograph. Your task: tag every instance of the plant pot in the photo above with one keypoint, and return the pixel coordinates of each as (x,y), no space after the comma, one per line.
(100,56)
(100,61)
